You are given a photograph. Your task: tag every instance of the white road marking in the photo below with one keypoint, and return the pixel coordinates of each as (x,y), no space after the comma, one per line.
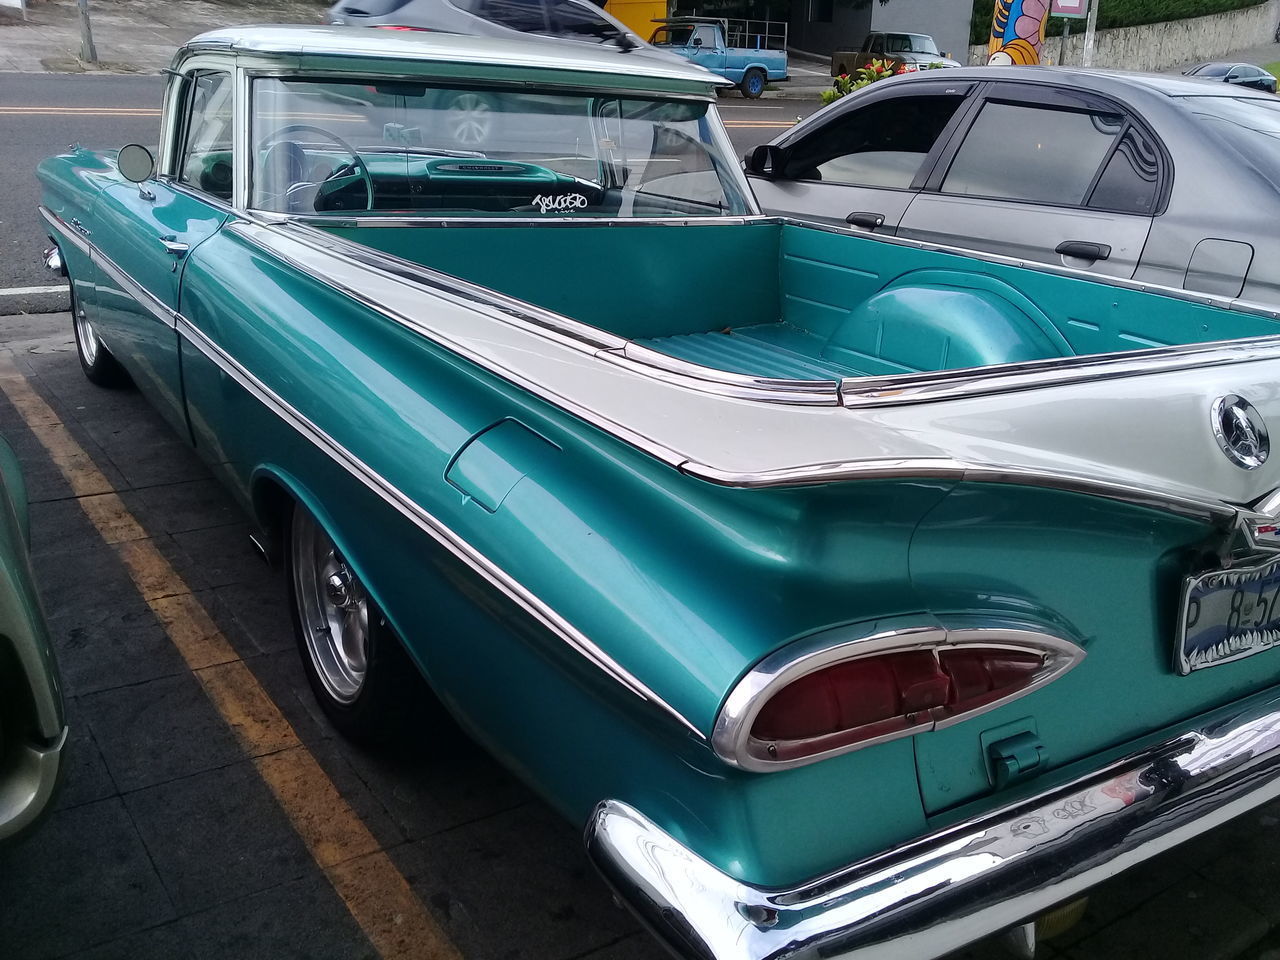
(27,291)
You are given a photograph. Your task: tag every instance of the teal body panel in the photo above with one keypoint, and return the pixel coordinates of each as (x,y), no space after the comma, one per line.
(685,584)
(144,343)
(24,637)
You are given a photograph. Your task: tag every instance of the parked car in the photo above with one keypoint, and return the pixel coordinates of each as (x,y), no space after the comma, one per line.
(749,65)
(863,600)
(1241,74)
(33,730)
(566,19)
(911,51)
(1152,178)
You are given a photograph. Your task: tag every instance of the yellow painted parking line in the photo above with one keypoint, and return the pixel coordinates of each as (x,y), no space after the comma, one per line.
(374,891)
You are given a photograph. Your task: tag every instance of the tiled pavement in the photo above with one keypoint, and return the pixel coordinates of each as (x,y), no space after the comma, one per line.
(166,844)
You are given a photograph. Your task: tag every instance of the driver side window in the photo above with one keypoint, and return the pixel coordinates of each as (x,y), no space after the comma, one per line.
(204,161)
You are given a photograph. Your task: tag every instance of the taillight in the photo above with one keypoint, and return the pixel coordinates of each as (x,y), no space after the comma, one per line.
(833,699)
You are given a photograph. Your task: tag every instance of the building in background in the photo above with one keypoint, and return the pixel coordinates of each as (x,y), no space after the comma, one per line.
(820,26)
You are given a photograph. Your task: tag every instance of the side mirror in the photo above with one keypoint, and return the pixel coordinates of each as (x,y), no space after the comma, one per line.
(136,164)
(765,161)
(697,41)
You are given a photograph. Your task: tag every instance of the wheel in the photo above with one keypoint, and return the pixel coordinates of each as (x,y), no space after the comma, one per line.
(752,84)
(357,669)
(96,360)
(470,120)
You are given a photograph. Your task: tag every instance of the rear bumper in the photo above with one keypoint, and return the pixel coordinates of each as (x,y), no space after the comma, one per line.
(953,887)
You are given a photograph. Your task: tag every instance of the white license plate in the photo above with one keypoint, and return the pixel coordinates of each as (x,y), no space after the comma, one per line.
(1229,615)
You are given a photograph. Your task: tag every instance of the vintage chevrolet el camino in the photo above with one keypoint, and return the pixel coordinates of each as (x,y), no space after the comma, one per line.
(858,597)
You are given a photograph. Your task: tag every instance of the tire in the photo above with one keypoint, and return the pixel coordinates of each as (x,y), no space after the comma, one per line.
(471,120)
(360,675)
(753,82)
(99,366)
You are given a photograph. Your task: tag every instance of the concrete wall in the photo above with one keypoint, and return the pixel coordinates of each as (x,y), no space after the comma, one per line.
(947,21)
(1158,46)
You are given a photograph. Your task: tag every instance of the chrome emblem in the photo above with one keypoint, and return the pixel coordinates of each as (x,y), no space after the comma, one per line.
(1240,431)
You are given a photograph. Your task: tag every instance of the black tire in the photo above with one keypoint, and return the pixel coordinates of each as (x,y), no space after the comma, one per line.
(753,83)
(99,366)
(375,709)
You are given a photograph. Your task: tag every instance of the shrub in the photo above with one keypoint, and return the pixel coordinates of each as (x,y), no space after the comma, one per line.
(845,84)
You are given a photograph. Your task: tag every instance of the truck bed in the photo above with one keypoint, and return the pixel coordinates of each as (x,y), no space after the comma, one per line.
(779,300)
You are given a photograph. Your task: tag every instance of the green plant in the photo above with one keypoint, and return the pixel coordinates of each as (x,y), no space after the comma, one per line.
(845,84)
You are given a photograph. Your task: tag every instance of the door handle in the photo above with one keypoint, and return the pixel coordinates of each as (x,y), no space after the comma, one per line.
(1083,250)
(176,249)
(865,219)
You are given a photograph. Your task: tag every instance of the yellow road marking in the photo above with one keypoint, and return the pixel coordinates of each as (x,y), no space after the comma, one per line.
(374,891)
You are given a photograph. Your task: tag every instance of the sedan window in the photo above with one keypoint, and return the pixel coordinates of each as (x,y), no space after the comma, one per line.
(205,160)
(527,16)
(881,145)
(1130,180)
(1037,154)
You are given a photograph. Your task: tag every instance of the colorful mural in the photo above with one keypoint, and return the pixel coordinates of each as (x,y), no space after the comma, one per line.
(1017,31)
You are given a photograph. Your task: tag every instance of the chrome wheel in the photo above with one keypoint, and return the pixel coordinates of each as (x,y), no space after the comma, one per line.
(333,610)
(470,119)
(86,338)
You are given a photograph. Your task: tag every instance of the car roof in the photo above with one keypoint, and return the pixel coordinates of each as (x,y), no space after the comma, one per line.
(1115,82)
(388,51)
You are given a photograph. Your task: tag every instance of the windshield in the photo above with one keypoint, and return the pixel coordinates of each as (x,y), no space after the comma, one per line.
(912,43)
(672,36)
(1249,124)
(337,147)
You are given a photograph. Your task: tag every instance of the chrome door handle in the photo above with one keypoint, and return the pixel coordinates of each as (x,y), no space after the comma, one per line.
(175,247)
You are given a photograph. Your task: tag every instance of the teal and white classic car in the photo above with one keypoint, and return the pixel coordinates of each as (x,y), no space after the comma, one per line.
(33,729)
(863,600)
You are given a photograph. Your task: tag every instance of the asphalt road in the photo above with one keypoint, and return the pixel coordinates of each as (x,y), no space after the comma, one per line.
(41,114)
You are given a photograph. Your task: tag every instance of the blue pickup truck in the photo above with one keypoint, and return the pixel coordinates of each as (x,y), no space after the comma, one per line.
(736,50)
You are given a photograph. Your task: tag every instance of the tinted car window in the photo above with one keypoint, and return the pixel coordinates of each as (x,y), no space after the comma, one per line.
(1130,180)
(881,145)
(1039,154)
(528,16)
(1213,70)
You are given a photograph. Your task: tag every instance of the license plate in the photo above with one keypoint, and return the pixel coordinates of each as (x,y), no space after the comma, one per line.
(1229,615)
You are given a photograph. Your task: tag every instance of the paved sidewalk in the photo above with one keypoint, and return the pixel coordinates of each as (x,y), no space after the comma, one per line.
(131,36)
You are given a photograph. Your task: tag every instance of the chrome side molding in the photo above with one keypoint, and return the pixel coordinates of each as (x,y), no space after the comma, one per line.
(950,888)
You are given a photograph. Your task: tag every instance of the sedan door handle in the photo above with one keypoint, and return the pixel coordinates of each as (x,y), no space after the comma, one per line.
(865,219)
(1083,250)
(175,247)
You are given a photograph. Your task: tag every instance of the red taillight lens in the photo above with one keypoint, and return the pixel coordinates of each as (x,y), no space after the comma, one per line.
(874,696)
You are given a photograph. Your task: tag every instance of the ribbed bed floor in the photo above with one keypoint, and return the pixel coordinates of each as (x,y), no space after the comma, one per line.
(774,350)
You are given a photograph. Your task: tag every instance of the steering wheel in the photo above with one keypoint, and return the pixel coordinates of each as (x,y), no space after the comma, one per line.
(295,163)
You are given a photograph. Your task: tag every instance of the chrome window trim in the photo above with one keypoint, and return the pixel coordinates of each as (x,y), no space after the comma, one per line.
(525,598)
(731,737)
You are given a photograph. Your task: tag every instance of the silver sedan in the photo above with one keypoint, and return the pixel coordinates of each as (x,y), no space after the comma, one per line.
(1162,179)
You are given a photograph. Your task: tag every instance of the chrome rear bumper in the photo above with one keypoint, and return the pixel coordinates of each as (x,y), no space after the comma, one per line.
(960,884)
